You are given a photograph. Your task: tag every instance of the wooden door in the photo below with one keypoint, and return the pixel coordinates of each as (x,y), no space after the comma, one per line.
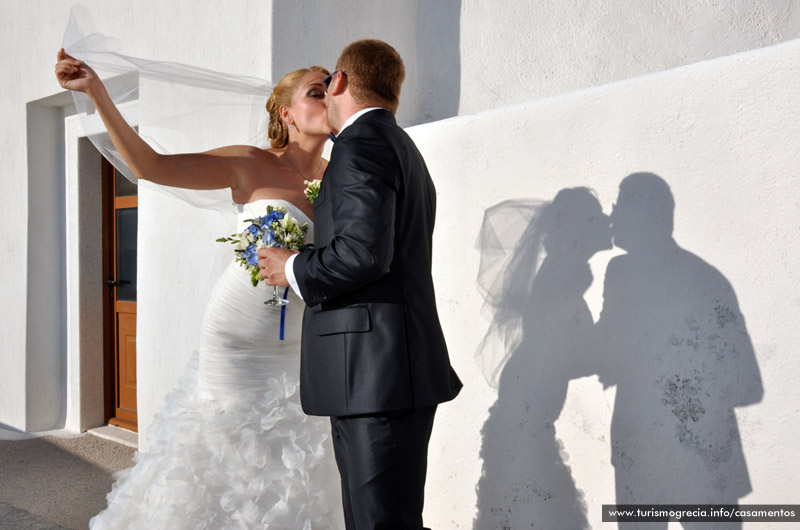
(119,268)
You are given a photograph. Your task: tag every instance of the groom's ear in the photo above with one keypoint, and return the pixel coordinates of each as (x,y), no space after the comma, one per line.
(339,85)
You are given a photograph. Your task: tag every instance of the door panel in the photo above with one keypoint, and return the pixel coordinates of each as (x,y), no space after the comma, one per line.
(126,347)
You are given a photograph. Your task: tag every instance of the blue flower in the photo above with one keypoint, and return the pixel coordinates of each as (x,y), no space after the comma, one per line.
(250,255)
(269,239)
(253,229)
(271,217)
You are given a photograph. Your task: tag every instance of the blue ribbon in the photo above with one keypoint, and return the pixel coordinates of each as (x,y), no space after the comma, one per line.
(283,311)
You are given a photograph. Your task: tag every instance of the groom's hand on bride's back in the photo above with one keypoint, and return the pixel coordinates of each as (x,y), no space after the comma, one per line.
(272,262)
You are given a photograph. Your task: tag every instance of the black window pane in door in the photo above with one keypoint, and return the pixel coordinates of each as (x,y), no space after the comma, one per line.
(126,254)
(125,188)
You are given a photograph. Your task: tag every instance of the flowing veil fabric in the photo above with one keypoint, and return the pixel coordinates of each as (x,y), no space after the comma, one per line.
(177,104)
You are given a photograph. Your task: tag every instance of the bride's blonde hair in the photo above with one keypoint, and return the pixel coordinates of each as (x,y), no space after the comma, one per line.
(282,94)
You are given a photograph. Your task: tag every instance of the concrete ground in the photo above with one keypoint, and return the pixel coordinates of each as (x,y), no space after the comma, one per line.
(56,481)
(15,519)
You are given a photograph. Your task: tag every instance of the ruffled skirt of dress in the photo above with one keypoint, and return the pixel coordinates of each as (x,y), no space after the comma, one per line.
(232,448)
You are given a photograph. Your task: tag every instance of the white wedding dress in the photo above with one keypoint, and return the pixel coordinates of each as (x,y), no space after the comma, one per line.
(232,448)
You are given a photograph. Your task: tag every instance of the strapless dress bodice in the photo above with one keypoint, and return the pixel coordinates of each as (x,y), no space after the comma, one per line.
(243,340)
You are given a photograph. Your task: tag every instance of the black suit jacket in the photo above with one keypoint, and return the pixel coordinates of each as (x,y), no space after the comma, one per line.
(371,335)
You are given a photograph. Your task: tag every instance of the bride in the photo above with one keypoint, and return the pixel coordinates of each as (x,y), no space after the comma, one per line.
(232,447)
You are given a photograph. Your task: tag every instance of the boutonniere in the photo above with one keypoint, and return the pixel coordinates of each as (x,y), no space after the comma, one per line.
(312,189)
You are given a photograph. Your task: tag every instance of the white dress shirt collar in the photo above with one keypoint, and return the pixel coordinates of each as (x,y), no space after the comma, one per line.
(355,116)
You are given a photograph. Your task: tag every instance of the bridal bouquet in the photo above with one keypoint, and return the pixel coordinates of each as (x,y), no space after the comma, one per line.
(276,229)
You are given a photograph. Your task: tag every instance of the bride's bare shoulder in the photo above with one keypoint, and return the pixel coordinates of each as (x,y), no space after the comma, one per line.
(268,154)
(254,161)
(248,151)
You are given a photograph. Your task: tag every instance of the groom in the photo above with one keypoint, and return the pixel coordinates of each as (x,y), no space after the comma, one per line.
(374,357)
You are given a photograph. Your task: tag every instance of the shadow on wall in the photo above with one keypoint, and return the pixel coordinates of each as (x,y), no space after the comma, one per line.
(439,59)
(543,322)
(675,344)
(670,336)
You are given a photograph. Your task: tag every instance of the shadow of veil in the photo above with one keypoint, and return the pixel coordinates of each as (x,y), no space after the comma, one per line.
(673,341)
(533,283)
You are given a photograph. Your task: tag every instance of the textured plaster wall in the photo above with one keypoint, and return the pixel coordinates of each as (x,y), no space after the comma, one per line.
(518,51)
(688,380)
(466,56)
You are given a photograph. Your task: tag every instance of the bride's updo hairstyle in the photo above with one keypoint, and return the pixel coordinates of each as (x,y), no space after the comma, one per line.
(283,94)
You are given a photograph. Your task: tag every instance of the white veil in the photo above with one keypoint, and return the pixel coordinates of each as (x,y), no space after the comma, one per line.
(181,108)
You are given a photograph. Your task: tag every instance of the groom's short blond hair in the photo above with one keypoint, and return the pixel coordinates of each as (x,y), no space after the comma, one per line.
(375,72)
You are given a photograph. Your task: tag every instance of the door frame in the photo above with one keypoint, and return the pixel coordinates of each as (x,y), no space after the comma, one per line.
(83,402)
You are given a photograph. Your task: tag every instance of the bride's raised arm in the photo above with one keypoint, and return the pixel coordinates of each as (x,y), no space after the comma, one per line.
(218,168)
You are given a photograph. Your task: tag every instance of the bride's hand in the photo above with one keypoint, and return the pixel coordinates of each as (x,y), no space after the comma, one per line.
(73,74)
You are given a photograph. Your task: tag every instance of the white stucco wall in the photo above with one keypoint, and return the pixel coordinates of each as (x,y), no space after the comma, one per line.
(518,51)
(724,136)
(466,56)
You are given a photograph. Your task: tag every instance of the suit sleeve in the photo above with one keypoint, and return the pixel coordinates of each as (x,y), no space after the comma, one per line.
(363,192)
